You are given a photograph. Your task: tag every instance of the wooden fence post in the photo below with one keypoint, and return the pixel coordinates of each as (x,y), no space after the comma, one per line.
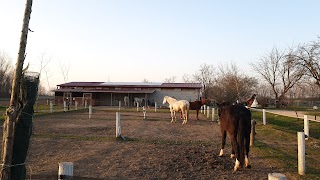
(15,108)
(253,132)
(65,170)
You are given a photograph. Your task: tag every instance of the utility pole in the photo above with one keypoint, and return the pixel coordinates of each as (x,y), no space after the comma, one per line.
(15,108)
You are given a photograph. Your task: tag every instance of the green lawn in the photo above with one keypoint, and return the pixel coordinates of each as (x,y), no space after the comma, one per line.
(277,142)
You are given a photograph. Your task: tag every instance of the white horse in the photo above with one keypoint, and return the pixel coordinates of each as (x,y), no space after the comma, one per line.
(176,106)
(138,100)
(126,100)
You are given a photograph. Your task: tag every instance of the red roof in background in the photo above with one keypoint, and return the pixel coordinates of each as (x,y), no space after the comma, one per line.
(132,85)
(105,90)
(80,84)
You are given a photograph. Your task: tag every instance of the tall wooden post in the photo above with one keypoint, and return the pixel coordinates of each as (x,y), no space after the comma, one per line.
(15,108)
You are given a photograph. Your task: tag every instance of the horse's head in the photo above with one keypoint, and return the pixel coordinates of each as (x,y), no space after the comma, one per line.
(164,99)
(205,101)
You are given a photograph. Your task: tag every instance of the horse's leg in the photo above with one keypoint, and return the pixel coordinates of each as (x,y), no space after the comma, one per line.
(171,112)
(247,146)
(232,153)
(184,116)
(236,149)
(223,141)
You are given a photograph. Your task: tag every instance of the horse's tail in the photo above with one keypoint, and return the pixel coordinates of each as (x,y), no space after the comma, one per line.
(188,108)
(241,139)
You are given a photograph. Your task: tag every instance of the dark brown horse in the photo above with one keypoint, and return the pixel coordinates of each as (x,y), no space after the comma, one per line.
(236,120)
(196,105)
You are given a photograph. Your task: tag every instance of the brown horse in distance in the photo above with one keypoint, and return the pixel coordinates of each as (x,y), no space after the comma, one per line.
(250,100)
(196,105)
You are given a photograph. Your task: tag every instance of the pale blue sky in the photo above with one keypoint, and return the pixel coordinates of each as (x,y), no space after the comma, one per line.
(132,40)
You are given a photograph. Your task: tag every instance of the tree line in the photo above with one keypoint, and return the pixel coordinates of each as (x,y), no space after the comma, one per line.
(290,73)
(281,74)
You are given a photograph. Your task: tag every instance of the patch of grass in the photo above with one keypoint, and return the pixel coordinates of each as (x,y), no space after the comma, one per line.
(288,124)
(2,113)
(277,142)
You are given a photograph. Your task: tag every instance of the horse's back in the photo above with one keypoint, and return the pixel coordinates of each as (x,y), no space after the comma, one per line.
(195,105)
(231,115)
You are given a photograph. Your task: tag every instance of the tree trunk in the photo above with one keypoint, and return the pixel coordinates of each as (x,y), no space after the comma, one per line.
(15,108)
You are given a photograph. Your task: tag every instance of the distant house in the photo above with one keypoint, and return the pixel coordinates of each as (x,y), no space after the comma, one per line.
(110,93)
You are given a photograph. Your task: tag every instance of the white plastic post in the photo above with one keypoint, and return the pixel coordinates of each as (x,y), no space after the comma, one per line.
(119,105)
(204,109)
(90,111)
(64,106)
(264,116)
(213,114)
(155,107)
(208,112)
(144,112)
(301,153)
(76,105)
(306,126)
(51,107)
(85,104)
(65,170)
(137,106)
(276,176)
(118,126)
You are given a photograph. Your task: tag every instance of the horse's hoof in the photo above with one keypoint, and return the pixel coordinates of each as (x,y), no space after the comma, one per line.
(232,156)
(234,171)
(221,153)
(248,166)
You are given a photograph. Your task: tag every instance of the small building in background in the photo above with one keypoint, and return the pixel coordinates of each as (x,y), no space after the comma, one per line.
(110,93)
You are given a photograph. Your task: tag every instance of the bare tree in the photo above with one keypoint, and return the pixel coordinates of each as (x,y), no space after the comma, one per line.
(187,78)
(145,80)
(279,70)
(205,76)
(171,79)
(44,62)
(64,71)
(6,73)
(232,84)
(308,57)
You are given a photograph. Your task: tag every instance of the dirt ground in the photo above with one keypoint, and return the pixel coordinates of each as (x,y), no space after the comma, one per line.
(154,148)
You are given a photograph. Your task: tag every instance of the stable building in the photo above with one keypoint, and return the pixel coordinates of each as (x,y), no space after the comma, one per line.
(113,93)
